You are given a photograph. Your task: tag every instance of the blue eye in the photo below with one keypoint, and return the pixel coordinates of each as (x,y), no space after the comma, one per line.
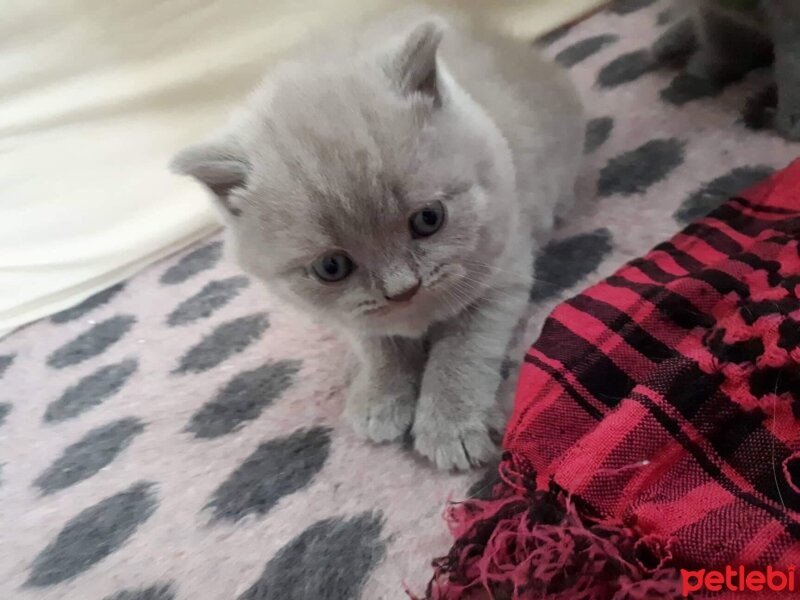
(332,267)
(427,221)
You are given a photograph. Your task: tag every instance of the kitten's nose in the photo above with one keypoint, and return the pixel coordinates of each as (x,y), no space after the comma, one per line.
(406,294)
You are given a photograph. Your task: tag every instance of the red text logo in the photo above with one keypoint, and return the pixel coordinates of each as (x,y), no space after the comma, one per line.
(738,580)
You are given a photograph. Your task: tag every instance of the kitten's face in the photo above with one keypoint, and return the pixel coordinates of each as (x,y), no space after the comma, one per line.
(372,207)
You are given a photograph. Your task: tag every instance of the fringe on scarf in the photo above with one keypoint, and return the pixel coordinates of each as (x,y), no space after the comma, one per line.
(527,543)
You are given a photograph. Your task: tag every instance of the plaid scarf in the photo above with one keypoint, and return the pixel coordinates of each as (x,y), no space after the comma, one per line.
(656,424)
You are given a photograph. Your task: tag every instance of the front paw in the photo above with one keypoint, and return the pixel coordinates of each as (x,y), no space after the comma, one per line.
(456,443)
(380,416)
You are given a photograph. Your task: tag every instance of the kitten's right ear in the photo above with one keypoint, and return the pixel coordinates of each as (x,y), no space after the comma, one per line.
(220,165)
(414,67)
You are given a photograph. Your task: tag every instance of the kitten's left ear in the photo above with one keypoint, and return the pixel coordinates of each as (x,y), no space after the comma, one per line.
(414,66)
(220,165)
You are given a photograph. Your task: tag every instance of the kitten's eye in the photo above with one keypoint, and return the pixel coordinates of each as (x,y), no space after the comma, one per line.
(332,267)
(427,221)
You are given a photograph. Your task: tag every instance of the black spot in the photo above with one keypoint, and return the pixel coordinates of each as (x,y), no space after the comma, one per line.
(597,132)
(5,362)
(718,190)
(5,408)
(213,296)
(92,535)
(635,171)
(193,263)
(554,35)
(277,468)
(243,399)
(579,51)
(90,303)
(664,16)
(328,561)
(90,391)
(759,110)
(563,263)
(88,455)
(775,380)
(756,310)
(482,488)
(624,7)
(626,68)
(685,87)
(745,351)
(788,332)
(91,343)
(226,340)
(155,592)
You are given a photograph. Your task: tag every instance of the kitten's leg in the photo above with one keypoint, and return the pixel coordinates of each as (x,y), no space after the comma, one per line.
(457,406)
(384,392)
(721,35)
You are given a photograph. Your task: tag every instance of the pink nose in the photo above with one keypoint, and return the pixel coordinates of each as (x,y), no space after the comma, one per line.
(406,294)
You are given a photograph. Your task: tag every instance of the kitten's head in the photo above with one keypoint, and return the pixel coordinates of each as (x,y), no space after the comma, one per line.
(374,193)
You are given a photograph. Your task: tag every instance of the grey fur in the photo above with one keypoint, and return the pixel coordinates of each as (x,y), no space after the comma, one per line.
(346,140)
(730,42)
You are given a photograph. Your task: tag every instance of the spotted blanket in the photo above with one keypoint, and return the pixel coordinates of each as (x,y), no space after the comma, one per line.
(179,436)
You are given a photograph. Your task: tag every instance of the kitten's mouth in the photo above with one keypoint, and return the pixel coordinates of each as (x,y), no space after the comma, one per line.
(380,310)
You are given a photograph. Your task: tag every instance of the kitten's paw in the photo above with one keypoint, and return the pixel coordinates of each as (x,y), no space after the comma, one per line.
(381,418)
(454,445)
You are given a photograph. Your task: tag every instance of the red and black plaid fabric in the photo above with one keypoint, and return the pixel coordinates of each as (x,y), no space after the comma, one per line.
(656,424)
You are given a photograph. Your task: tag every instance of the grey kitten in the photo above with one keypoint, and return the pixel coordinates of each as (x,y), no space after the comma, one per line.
(394,186)
(725,39)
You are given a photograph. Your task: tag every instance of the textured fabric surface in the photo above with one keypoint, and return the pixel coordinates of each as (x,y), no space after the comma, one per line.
(179,436)
(662,406)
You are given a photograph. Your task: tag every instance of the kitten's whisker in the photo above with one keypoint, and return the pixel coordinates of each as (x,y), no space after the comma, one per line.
(495,269)
(483,287)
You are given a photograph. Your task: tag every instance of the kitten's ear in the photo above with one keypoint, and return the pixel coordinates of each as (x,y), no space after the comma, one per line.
(414,66)
(220,165)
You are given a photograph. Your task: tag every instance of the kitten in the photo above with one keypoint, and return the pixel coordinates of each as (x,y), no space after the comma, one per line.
(394,186)
(723,40)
